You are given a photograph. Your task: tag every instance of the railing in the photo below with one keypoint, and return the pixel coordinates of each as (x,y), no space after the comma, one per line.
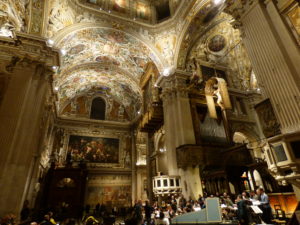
(166,185)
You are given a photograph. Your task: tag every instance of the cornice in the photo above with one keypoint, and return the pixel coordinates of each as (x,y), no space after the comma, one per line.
(67,122)
(32,47)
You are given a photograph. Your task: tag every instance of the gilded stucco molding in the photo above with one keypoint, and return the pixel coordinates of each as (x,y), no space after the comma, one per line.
(31,47)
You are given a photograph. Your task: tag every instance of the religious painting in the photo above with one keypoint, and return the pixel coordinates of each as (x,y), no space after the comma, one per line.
(120,6)
(267,118)
(93,149)
(294,18)
(142,11)
(110,190)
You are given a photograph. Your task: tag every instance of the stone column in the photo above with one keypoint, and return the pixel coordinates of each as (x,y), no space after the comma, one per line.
(20,115)
(274,58)
(177,116)
(179,130)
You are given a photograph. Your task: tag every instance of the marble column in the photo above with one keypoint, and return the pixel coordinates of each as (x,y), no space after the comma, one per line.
(179,130)
(20,113)
(274,58)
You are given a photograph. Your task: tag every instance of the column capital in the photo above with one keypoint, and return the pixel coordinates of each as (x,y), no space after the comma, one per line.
(175,85)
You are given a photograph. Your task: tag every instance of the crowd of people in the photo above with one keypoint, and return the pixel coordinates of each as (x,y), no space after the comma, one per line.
(235,208)
(238,208)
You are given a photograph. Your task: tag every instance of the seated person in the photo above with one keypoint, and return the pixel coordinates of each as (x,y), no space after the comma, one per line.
(162,220)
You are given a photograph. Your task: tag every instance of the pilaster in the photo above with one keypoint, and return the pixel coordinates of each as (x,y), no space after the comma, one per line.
(21,115)
(274,57)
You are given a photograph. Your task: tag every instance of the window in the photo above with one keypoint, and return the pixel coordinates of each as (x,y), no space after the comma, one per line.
(162,10)
(98,109)
(280,153)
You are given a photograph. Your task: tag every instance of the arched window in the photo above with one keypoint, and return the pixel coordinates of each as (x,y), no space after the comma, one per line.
(98,109)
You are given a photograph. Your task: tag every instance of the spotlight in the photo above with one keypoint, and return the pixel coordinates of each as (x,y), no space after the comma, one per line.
(54,68)
(217,2)
(166,72)
(63,52)
(50,42)
(56,88)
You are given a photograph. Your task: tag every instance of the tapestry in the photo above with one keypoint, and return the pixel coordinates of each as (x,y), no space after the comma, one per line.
(93,149)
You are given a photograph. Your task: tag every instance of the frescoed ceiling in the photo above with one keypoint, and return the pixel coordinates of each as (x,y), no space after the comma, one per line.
(105,60)
(108,46)
(111,55)
(104,80)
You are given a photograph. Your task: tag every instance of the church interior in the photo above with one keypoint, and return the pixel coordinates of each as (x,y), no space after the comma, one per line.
(105,104)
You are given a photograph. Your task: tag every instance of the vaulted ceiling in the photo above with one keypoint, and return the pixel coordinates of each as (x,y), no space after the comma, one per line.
(105,60)
(107,53)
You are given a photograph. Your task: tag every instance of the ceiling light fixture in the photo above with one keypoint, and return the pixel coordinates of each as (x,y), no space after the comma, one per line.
(63,52)
(168,70)
(217,2)
(50,42)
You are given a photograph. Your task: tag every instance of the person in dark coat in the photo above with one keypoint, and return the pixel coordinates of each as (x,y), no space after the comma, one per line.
(242,213)
(148,211)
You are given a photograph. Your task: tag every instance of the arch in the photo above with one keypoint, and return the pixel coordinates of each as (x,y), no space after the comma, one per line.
(194,28)
(239,137)
(247,130)
(98,109)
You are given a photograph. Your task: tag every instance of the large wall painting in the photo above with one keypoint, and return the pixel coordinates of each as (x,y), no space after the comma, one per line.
(93,149)
(111,190)
(267,118)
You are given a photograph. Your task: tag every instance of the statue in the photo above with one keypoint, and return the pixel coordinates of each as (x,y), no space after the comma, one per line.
(197,77)
(7,29)
(217,87)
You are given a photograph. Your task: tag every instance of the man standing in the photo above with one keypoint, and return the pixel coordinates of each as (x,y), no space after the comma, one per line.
(138,216)
(148,211)
(264,205)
